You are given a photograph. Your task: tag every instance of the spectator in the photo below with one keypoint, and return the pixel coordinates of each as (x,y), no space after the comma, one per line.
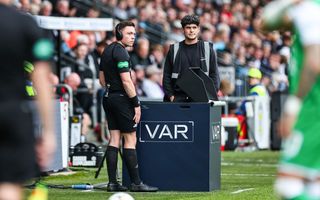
(151,84)
(74,81)
(157,55)
(141,55)
(120,10)
(176,35)
(132,10)
(83,69)
(222,37)
(62,8)
(139,77)
(279,77)
(207,33)
(226,88)
(45,8)
(25,5)
(93,12)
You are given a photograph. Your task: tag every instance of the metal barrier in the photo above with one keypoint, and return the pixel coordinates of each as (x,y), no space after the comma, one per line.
(70,100)
(257,116)
(61,133)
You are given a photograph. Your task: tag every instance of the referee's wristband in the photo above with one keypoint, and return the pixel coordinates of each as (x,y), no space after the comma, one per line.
(135,101)
(292,105)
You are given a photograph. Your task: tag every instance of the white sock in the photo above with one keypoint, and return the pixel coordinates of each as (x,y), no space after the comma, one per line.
(313,189)
(289,187)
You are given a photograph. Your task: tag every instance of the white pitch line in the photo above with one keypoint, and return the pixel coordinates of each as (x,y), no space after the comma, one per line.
(243,190)
(248,164)
(86,190)
(264,175)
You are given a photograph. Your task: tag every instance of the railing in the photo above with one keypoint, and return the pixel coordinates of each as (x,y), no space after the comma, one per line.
(70,93)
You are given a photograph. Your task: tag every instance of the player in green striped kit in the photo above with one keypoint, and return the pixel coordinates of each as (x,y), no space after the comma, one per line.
(299,169)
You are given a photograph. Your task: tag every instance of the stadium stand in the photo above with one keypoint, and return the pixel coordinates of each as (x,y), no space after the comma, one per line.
(232,25)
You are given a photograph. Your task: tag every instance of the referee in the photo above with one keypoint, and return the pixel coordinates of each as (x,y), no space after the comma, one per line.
(122,108)
(20,153)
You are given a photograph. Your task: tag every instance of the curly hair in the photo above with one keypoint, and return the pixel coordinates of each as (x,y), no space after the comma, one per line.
(190,19)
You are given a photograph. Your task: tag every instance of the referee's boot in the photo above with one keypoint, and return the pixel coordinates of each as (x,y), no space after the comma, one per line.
(142,188)
(116,187)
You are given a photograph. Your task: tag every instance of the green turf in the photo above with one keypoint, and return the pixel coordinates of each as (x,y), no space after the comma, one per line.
(245,175)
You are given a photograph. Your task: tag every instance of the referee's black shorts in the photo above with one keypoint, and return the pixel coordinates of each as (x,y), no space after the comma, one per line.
(17,143)
(119,112)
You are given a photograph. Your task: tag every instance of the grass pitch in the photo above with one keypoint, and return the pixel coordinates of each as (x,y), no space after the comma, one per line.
(244,176)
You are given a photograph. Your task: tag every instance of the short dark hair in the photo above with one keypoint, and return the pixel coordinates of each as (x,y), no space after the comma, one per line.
(124,24)
(190,19)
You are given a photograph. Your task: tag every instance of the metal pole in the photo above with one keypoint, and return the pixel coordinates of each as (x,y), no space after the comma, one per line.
(59,54)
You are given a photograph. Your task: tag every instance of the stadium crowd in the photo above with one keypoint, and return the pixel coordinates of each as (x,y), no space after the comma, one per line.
(231,25)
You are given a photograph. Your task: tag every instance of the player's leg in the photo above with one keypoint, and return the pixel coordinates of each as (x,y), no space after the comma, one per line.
(112,155)
(127,126)
(113,146)
(300,163)
(290,182)
(112,162)
(289,187)
(131,161)
(130,156)
(128,132)
(313,189)
(17,149)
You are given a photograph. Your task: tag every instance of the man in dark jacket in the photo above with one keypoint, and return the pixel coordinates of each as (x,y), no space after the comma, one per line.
(190,53)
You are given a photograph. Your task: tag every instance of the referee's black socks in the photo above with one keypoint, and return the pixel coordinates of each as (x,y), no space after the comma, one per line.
(112,160)
(130,159)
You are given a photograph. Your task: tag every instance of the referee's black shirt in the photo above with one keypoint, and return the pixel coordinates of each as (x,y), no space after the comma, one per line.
(115,60)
